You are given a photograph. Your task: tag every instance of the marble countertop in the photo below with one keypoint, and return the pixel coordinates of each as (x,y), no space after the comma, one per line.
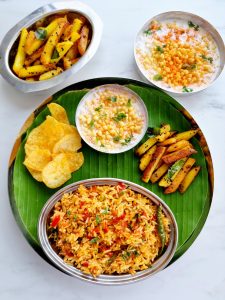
(199,273)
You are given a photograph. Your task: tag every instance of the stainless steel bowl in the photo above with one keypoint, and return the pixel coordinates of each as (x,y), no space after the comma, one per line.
(44,11)
(158,265)
(183,16)
(118,89)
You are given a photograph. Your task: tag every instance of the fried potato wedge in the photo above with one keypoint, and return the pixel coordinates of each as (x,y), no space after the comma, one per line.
(69,143)
(77,23)
(180,176)
(159,173)
(174,156)
(58,112)
(178,145)
(29,40)
(57,171)
(153,163)
(168,141)
(38,159)
(52,42)
(145,146)
(61,49)
(162,136)
(33,71)
(186,135)
(37,43)
(172,172)
(50,74)
(75,160)
(145,159)
(32,58)
(188,179)
(20,55)
(83,41)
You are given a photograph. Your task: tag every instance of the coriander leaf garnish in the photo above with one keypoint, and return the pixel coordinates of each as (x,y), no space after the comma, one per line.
(105,211)
(160,49)
(94,240)
(127,140)
(98,219)
(91,124)
(98,108)
(129,104)
(148,32)
(75,217)
(192,25)
(187,89)
(210,59)
(157,77)
(41,34)
(55,54)
(68,212)
(113,98)
(116,138)
(189,67)
(119,117)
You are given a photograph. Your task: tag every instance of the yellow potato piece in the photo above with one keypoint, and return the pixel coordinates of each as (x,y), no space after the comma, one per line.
(20,55)
(50,74)
(47,134)
(75,160)
(69,143)
(58,112)
(37,175)
(56,172)
(38,159)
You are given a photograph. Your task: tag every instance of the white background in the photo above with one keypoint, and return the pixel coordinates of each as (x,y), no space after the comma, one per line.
(200,272)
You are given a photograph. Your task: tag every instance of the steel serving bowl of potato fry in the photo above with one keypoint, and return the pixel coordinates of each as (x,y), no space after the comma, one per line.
(115,279)
(49,45)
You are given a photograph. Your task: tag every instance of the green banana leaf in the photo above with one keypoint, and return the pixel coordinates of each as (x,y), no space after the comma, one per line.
(28,196)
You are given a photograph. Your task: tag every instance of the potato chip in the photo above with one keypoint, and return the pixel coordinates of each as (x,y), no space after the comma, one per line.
(58,112)
(75,160)
(47,134)
(35,174)
(56,172)
(69,143)
(69,129)
(38,159)
(30,148)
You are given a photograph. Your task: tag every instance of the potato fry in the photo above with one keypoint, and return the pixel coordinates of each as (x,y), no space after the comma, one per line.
(61,50)
(67,63)
(167,142)
(172,172)
(162,136)
(164,128)
(180,176)
(178,145)
(159,173)
(153,163)
(30,59)
(50,74)
(52,42)
(83,41)
(48,30)
(145,159)
(174,156)
(73,52)
(29,41)
(186,135)
(20,55)
(66,34)
(145,146)
(77,23)
(188,179)
(33,71)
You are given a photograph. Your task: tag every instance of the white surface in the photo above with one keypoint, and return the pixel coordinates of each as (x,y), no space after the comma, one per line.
(199,274)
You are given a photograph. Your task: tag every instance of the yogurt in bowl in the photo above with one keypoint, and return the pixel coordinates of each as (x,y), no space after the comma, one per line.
(111,118)
(179,52)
